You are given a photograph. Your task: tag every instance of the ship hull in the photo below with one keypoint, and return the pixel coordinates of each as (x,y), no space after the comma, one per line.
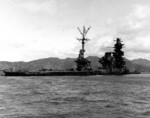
(65,73)
(58,73)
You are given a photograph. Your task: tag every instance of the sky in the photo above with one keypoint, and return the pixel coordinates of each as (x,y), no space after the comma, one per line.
(34,29)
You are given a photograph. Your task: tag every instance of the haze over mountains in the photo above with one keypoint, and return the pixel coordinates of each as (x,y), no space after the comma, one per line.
(141,61)
(141,65)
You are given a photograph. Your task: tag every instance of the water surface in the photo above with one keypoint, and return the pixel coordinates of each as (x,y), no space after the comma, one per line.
(75,97)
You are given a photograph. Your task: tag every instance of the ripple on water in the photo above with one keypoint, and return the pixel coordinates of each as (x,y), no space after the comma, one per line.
(75,97)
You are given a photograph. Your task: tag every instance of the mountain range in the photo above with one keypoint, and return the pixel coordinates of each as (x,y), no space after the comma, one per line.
(140,65)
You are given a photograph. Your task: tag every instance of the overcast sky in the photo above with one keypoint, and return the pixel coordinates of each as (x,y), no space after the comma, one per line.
(33,29)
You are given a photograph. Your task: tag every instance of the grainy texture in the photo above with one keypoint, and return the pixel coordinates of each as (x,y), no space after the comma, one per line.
(75,97)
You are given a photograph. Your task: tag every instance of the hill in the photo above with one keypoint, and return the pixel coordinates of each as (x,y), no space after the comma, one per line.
(136,67)
(143,62)
(68,63)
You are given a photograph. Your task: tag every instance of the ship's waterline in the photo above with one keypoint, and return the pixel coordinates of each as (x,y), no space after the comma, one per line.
(75,97)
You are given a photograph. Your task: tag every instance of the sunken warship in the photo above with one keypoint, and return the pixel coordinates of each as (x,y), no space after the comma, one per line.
(112,63)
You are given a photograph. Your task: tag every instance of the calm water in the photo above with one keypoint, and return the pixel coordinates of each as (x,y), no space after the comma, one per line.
(75,97)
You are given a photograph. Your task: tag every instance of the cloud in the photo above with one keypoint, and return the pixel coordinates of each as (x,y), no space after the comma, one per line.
(28,31)
(33,29)
(133,29)
(136,30)
(136,21)
(45,6)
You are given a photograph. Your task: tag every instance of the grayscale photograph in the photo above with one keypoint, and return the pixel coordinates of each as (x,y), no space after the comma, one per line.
(74,58)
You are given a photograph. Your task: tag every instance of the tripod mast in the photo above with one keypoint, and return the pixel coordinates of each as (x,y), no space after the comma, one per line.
(83,39)
(82,63)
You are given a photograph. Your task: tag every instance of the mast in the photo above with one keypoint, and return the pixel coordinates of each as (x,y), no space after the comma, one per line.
(83,39)
(82,63)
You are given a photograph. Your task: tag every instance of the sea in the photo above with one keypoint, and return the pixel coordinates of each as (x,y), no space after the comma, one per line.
(126,96)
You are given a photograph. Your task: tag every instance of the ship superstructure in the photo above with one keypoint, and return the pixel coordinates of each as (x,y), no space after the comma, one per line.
(82,63)
(113,62)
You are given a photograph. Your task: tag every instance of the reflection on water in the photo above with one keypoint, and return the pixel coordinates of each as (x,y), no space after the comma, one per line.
(75,97)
